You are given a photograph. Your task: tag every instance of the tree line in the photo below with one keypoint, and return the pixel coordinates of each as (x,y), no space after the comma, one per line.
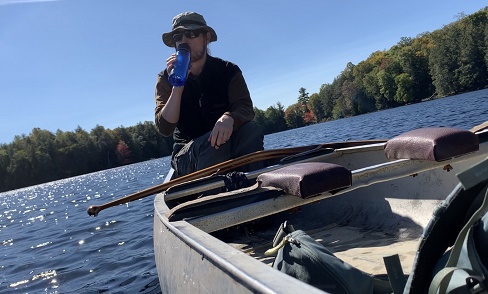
(43,156)
(447,61)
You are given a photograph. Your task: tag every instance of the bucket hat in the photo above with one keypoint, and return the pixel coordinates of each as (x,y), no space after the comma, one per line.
(188,21)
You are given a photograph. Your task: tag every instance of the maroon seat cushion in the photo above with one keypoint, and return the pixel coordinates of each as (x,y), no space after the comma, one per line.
(435,144)
(307,179)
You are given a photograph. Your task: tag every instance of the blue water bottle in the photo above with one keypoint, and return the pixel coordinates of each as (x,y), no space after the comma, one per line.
(178,74)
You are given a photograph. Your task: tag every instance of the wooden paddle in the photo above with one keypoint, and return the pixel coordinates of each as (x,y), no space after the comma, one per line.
(479,127)
(225,167)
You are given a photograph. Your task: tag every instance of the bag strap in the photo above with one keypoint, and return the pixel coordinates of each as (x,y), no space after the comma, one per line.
(474,283)
(395,273)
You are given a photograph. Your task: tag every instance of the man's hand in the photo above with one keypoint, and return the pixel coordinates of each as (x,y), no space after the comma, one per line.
(170,62)
(222,131)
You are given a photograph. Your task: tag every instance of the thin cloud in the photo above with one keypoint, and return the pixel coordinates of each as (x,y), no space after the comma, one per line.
(11,2)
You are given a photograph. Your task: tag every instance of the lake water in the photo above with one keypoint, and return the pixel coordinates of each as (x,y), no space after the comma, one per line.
(49,244)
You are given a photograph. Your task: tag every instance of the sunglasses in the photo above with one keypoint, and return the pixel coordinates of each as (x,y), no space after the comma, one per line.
(189,34)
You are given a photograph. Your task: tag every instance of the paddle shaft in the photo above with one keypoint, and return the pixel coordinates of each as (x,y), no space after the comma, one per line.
(479,127)
(225,167)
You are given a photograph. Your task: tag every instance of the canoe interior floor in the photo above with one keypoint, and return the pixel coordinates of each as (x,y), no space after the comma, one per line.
(363,249)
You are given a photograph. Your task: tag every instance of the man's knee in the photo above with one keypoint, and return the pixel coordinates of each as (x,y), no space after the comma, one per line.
(249,138)
(251,132)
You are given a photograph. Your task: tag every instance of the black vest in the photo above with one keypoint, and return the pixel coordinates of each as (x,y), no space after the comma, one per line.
(204,99)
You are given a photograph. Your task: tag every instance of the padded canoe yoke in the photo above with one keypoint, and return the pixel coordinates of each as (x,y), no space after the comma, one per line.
(433,144)
(307,179)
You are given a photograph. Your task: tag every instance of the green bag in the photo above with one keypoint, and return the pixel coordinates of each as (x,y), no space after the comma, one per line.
(300,256)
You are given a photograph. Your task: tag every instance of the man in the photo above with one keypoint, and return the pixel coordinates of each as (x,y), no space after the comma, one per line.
(211,116)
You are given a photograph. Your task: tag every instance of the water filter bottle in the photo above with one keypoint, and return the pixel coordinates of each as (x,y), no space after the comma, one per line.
(178,74)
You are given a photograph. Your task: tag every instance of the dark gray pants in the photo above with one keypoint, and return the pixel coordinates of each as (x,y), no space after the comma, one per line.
(198,153)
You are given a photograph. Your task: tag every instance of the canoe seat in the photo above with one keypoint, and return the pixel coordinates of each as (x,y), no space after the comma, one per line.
(433,144)
(307,179)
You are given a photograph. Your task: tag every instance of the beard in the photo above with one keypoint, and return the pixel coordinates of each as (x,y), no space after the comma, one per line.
(197,55)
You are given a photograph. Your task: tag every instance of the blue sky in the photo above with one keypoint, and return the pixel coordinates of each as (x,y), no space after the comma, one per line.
(70,63)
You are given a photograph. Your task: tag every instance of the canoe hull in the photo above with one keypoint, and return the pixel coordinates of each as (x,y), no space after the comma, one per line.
(388,214)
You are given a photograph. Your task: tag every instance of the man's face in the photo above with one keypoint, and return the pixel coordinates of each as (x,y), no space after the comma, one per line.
(196,39)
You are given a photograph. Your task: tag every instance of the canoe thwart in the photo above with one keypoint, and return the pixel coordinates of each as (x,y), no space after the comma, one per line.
(307,179)
(433,144)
